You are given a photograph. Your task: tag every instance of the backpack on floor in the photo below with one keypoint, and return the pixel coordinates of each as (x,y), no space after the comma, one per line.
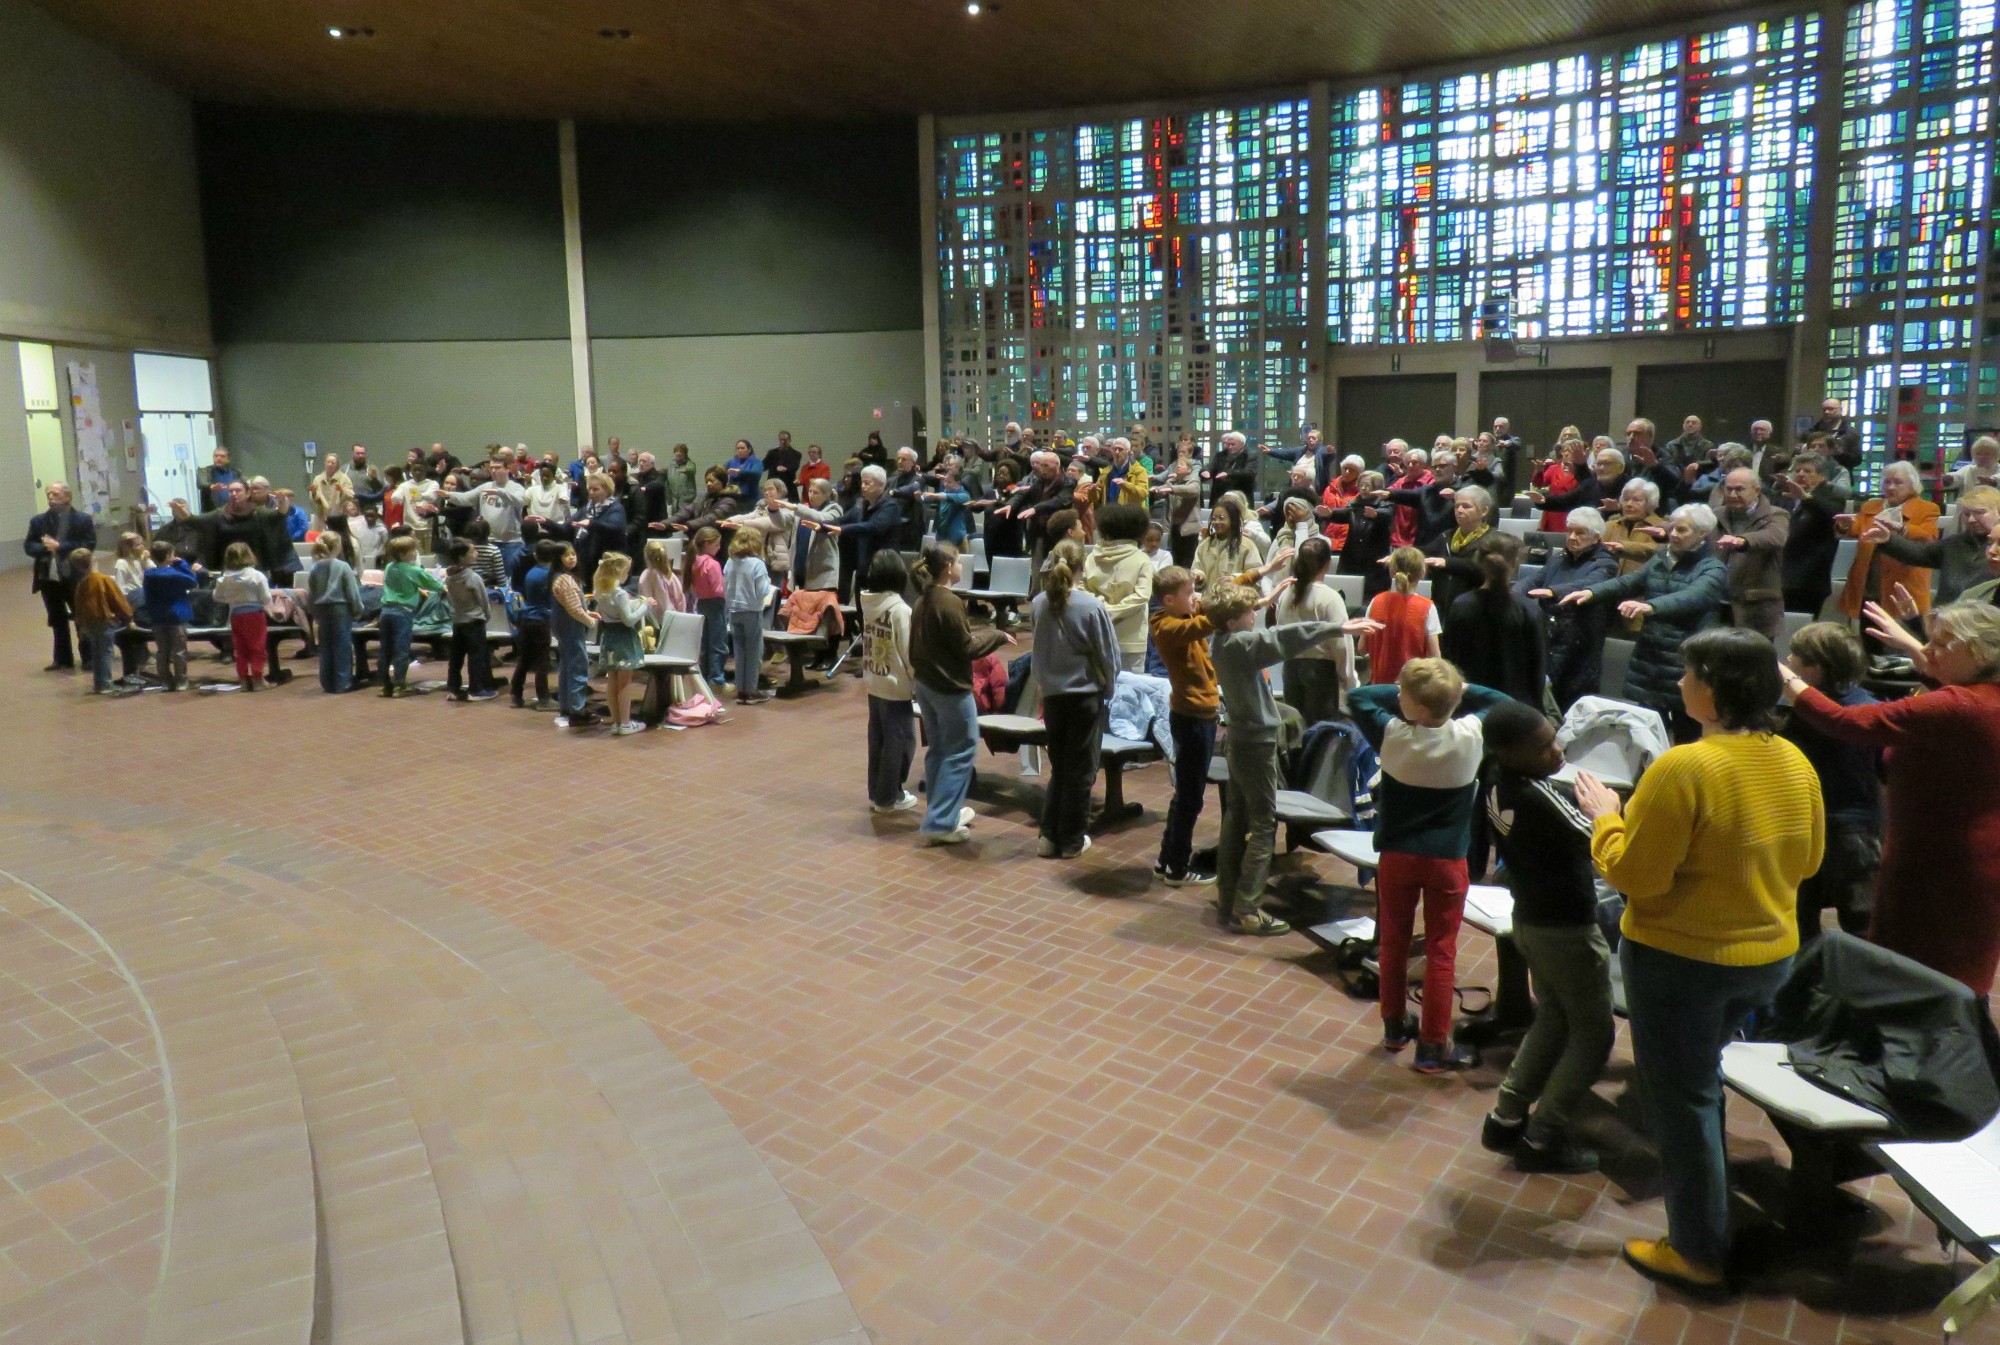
(697,709)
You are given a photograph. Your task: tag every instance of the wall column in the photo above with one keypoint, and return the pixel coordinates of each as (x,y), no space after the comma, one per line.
(1317,169)
(581,381)
(1810,336)
(927,185)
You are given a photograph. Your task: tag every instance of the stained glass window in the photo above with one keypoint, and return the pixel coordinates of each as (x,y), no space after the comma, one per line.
(1659,187)
(1148,270)
(1917,230)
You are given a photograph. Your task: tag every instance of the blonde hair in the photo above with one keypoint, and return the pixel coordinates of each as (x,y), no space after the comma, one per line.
(327,544)
(658,557)
(603,479)
(1406,568)
(131,546)
(1981,497)
(1171,580)
(83,560)
(1434,683)
(1976,625)
(746,542)
(1229,602)
(239,556)
(400,549)
(1060,578)
(611,572)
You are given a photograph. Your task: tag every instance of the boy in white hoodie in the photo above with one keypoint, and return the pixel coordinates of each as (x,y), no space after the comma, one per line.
(892,727)
(1120,574)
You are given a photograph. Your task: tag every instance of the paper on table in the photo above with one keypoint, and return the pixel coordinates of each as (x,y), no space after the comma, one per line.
(1959,1178)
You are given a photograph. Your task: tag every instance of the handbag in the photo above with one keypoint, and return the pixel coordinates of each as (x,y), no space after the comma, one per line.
(697,709)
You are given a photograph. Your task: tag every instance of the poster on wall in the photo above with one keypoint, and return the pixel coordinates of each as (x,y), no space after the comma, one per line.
(97,478)
(131,447)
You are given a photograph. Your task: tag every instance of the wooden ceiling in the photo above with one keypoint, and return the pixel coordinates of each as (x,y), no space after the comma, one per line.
(750,59)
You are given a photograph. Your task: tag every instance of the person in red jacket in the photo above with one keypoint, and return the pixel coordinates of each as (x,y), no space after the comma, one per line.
(1937,894)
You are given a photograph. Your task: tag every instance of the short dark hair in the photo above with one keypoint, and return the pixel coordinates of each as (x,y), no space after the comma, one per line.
(1740,669)
(162,551)
(887,573)
(547,550)
(1060,522)
(463,551)
(1511,726)
(478,530)
(1833,649)
(1121,523)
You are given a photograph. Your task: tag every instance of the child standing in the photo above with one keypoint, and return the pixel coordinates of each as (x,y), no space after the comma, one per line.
(1409,621)
(100,607)
(404,583)
(1829,657)
(1430,770)
(1180,635)
(532,639)
(711,603)
(465,586)
(747,588)
(570,621)
(487,558)
(1075,661)
(1250,806)
(167,586)
(1545,840)
(619,653)
(245,591)
(369,534)
(659,585)
(885,636)
(942,650)
(335,597)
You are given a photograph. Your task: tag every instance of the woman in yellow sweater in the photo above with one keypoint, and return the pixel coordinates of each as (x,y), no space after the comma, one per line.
(1709,855)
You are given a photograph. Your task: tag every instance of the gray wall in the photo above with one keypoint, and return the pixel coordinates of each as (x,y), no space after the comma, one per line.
(100,224)
(17,479)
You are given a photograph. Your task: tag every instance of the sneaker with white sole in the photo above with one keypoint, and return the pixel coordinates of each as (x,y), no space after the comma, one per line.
(902,805)
(1045,848)
(1072,854)
(1189,878)
(958,837)
(965,816)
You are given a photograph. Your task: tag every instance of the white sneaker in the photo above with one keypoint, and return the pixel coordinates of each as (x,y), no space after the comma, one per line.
(965,816)
(1045,848)
(958,837)
(634,727)
(1079,849)
(901,805)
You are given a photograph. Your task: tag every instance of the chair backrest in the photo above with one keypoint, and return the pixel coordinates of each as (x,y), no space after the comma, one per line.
(1011,575)
(680,635)
(1617,657)
(1523,528)
(964,583)
(1794,623)
(496,613)
(1424,589)
(1329,779)
(1548,541)
(1843,559)
(1352,590)
(1520,507)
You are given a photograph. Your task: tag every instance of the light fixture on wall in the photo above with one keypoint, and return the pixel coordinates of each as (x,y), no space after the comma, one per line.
(337,34)
(977,7)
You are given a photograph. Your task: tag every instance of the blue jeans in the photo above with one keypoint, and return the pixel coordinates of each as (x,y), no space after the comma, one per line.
(951,723)
(714,613)
(1194,748)
(396,625)
(336,647)
(1683,1013)
(572,664)
(511,553)
(98,646)
(746,630)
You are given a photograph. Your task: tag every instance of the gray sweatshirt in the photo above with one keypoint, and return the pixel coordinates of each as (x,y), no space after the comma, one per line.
(1076,649)
(467,592)
(1240,659)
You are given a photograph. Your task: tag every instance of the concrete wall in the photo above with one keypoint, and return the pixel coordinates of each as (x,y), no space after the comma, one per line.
(100,220)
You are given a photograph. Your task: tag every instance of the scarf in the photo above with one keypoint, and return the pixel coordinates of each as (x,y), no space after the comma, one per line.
(1461,540)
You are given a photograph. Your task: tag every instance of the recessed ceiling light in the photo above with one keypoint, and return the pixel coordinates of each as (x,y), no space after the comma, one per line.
(338,33)
(335,33)
(972,7)
(614,34)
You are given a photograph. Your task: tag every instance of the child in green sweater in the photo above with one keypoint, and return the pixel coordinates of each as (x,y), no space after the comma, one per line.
(404,584)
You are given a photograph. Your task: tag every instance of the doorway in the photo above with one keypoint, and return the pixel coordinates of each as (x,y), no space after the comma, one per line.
(1413,407)
(176,427)
(1539,402)
(1726,394)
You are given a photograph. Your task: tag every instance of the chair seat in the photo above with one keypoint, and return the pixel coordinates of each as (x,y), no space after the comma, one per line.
(670,662)
(1760,1071)
(792,637)
(1356,847)
(1490,910)
(1013,730)
(1127,750)
(1218,769)
(1298,808)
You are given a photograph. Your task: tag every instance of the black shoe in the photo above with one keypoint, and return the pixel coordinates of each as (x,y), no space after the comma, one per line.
(1395,1036)
(1501,1136)
(1432,1059)
(1567,1156)
(1184,878)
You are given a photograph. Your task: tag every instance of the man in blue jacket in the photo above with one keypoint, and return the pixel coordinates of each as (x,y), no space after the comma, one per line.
(52,535)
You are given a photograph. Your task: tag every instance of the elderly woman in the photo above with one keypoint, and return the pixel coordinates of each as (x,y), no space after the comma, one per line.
(1709,854)
(1340,495)
(1576,634)
(1453,558)
(1937,894)
(1181,489)
(1635,533)
(1676,594)
(1905,513)
(1607,481)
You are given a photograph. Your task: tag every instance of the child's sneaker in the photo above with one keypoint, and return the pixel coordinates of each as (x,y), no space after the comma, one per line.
(1397,1035)
(1434,1058)
(1566,1157)
(1187,878)
(1072,854)
(1260,923)
(485,695)
(545,706)
(904,804)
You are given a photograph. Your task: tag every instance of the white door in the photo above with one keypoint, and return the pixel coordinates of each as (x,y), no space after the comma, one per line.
(45,454)
(176,446)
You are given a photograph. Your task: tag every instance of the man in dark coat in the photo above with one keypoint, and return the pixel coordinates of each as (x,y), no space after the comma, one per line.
(262,530)
(52,535)
(1814,541)
(783,463)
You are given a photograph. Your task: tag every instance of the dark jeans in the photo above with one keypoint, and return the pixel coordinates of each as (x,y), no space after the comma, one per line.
(1683,1012)
(336,647)
(1194,748)
(468,645)
(1075,725)
(97,650)
(55,600)
(531,655)
(170,653)
(714,613)
(892,746)
(1845,882)
(396,625)
(1182,547)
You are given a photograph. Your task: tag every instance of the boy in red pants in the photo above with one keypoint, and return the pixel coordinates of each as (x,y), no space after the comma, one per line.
(1430,765)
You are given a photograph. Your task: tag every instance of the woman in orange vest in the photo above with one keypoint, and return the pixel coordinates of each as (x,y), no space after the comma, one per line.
(1902,509)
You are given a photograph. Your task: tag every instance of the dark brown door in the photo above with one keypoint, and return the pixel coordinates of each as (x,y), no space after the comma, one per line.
(1539,402)
(1726,394)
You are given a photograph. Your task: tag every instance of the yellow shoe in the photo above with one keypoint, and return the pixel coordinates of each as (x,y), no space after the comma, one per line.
(1657,1261)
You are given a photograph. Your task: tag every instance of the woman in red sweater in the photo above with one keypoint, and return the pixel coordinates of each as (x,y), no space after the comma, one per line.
(1937,897)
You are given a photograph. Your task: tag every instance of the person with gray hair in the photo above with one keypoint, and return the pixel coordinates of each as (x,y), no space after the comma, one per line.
(870,525)
(1675,594)
(52,535)
(1815,503)
(1453,555)
(1753,549)
(1904,512)
(1575,634)
(1232,468)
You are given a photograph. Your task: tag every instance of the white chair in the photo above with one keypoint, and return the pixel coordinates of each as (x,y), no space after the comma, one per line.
(1356,847)
(1794,623)
(1523,528)
(1843,560)
(1424,588)
(680,637)
(1352,590)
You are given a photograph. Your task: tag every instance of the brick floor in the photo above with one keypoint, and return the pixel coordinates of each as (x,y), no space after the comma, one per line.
(1014,1100)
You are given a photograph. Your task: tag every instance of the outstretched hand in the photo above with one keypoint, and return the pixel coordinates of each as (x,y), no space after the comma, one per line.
(1595,798)
(1576,597)
(1885,628)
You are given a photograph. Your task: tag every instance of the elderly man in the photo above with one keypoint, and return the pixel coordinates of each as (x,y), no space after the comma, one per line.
(1315,452)
(1836,424)
(212,482)
(873,523)
(1046,491)
(52,535)
(906,487)
(1815,504)
(1232,468)
(1960,559)
(1126,480)
(1508,451)
(503,503)
(1752,545)
(1691,446)
(1643,460)
(179,530)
